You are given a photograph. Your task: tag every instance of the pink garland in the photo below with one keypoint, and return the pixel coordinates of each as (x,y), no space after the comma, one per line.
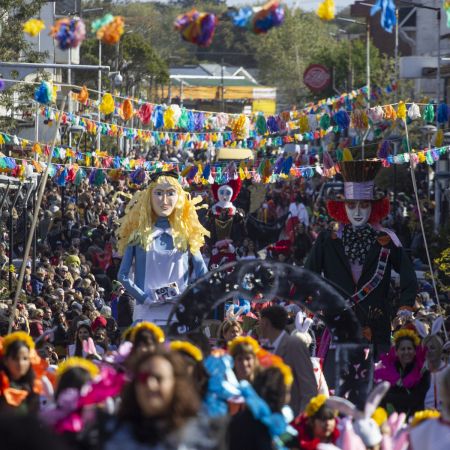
(388,370)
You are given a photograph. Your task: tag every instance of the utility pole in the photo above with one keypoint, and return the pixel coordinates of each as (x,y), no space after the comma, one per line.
(222,86)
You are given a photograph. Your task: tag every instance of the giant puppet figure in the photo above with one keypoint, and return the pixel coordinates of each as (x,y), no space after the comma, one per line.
(359,255)
(158,233)
(225,222)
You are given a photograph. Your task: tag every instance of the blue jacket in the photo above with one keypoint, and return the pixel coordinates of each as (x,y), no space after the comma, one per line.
(137,254)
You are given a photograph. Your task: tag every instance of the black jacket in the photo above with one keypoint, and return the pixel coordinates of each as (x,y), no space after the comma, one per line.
(125,310)
(328,257)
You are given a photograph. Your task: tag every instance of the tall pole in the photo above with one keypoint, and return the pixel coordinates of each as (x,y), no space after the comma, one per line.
(35,219)
(368,61)
(222,86)
(438,71)
(396,68)
(99,136)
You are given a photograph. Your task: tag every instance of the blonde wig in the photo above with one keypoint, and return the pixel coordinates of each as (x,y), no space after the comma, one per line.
(136,226)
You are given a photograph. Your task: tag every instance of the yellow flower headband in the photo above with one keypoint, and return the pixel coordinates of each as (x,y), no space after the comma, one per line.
(426,414)
(154,329)
(243,340)
(315,404)
(75,361)
(188,348)
(406,333)
(17,336)
(380,416)
(285,370)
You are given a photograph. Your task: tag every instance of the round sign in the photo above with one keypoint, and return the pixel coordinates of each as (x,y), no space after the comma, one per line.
(317,77)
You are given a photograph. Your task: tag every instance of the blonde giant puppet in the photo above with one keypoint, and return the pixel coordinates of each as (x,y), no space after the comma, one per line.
(158,233)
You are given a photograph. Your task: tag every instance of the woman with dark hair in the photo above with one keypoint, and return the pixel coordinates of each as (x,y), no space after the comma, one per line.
(158,407)
(317,424)
(18,387)
(246,432)
(83,333)
(404,367)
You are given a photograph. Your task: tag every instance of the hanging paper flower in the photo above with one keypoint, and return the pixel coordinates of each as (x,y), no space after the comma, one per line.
(107,105)
(326,10)
(126,110)
(69,32)
(442,113)
(109,29)
(45,93)
(2,85)
(33,27)
(259,19)
(269,16)
(387,9)
(196,27)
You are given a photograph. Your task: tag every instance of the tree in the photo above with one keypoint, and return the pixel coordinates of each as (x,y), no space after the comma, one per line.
(14,47)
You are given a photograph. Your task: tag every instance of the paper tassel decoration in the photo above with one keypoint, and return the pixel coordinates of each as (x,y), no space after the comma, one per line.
(196,27)
(126,110)
(387,8)
(83,95)
(45,93)
(414,112)
(68,32)
(107,105)
(33,27)
(259,19)
(145,113)
(447,10)
(2,85)
(442,113)
(428,113)
(439,138)
(109,29)
(326,10)
(401,111)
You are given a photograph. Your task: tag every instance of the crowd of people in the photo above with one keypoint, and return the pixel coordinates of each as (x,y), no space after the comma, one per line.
(78,372)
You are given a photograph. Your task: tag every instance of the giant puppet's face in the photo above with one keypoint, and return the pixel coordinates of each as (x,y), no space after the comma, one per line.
(164,199)
(358,212)
(224,194)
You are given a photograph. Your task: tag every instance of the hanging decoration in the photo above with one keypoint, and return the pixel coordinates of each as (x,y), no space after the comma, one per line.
(447,10)
(83,95)
(126,111)
(196,27)
(68,32)
(33,27)
(45,93)
(2,85)
(388,17)
(326,10)
(109,29)
(259,19)
(107,105)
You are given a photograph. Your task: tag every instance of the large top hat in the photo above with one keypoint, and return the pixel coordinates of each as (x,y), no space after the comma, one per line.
(359,179)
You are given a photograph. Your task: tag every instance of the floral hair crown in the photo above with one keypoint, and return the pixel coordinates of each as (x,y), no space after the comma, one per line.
(426,414)
(267,359)
(243,340)
(154,329)
(405,333)
(188,348)
(315,404)
(81,363)
(17,336)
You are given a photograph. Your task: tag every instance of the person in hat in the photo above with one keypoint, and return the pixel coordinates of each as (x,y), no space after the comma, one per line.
(158,235)
(224,220)
(359,255)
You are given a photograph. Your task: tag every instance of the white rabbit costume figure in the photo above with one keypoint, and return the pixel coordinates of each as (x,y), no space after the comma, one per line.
(359,430)
(302,325)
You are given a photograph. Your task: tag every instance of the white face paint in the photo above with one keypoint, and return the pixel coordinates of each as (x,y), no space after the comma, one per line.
(358,212)
(225,193)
